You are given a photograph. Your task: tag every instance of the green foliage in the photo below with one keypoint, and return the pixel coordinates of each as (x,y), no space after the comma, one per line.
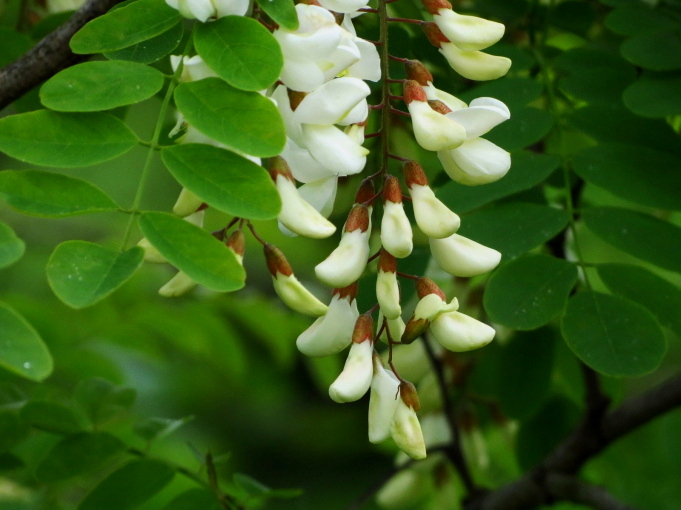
(11,247)
(22,351)
(51,417)
(151,50)
(282,12)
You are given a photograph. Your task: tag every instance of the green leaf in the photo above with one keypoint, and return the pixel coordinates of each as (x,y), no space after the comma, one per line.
(243,121)
(636,18)
(139,21)
(151,429)
(151,50)
(514,228)
(654,96)
(642,236)
(529,291)
(12,430)
(241,51)
(283,12)
(525,127)
(82,273)
(14,44)
(77,454)
(574,16)
(65,140)
(515,92)
(193,250)
(11,247)
(639,174)
(527,170)
(660,51)
(526,385)
(51,417)
(224,180)
(639,285)
(50,194)
(194,499)
(130,486)
(9,462)
(103,400)
(613,335)
(22,351)
(96,86)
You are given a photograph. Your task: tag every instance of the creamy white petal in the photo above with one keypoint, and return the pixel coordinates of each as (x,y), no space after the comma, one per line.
(475,65)
(477,161)
(332,102)
(334,149)
(395,326)
(346,263)
(460,256)
(187,203)
(388,294)
(382,403)
(436,430)
(293,129)
(433,217)
(358,114)
(229,7)
(296,296)
(320,194)
(412,361)
(355,379)
(319,42)
(396,234)
(301,76)
(299,216)
(332,332)
(177,285)
(434,131)
(343,5)
(481,116)
(303,166)
(468,32)
(435,94)
(369,65)
(340,60)
(459,333)
(406,431)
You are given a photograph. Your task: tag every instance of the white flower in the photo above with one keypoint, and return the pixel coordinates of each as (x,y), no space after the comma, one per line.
(477,161)
(355,379)
(412,360)
(459,333)
(333,102)
(193,68)
(396,234)
(460,256)
(187,203)
(387,288)
(405,428)
(332,332)
(369,65)
(468,32)
(343,5)
(395,326)
(346,263)
(382,402)
(334,149)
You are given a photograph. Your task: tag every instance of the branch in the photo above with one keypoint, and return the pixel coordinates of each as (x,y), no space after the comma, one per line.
(49,56)
(567,488)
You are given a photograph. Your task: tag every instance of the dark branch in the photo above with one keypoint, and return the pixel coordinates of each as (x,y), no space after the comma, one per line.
(567,488)
(49,56)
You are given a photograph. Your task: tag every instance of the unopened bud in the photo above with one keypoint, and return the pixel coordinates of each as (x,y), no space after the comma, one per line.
(433,6)
(434,34)
(237,243)
(349,292)
(358,219)
(414,174)
(414,92)
(414,329)
(425,286)
(276,261)
(417,71)
(391,190)
(364,329)
(386,262)
(409,395)
(279,166)
(439,106)
(365,192)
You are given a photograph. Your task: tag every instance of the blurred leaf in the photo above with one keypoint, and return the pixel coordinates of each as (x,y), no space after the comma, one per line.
(224,180)
(130,486)
(654,96)
(103,400)
(283,12)
(515,92)
(50,417)
(22,351)
(594,75)
(139,21)
(82,273)
(660,51)
(151,429)
(613,335)
(642,236)
(525,385)
(644,176)
(525,127)
(194,499)
(9,462)
(193,250)
(514,228)
(661,298)
(544,430)
(151,50)
(50,194)
(527,170)
(574,16)
(77,454)
(244,121)
(96,86)
(241,51)
(49,23)
(529,291)
(636,18)
(65,140)
(11,247)
(14,44)
(12,430)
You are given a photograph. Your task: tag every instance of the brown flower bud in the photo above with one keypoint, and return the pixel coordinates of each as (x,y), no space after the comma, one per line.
(279,166)
(295,98)
(358,219)
(417,71)
(414,174)
(365,192)
(237,242)
(414,329)
(425,286)
(434,34)
(386,262)
(439,106)
(347,292)
(364,329)
(409,395)
(391,190)
(276,262)
(414,92)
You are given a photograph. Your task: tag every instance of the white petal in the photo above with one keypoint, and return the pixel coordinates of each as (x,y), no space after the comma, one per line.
(382,403)
(477,161)
(433,217)
(434,131)
(331,103)
(346,263)
(301,76)
(200,9)
(297,297)
(320,194)
(428,307)
(355,379)
(334,149)
(177,285)
(459,333)
(475,65)
(411,359)
(332,332)
(460,256)
(340,60)
(369,65)
(320,42)
(468,32)
(435,94)
(303,166)
(229,7)
(358,114)
(395,326)
(299,216)
(396,234)
(343,5)
(293,129)
(388,294)
(480,117)
(406,431)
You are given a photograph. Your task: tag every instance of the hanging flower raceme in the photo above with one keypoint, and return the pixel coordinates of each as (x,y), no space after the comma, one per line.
(387,288)
(396,234)
(332,332)
(204,9)
(287,286)
(355,379)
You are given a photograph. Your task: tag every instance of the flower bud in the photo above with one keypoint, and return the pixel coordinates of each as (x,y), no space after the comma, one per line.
(395,327)
(237,243)
(365,192)
(187,203)
(459,333)
(405,428)
(177,285)
(468,32)
(387,288)
(477,161)
(287,286)
(332,332)
(418,72)
(383,401)
(346,263)
(434,6)
(396,234)
(460,256)
(355,379)
(334,149)
(475,65)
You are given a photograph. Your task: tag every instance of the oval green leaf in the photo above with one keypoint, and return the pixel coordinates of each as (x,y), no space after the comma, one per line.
(241,51)
(82,273)
(224,180)
(11,247)
(654,96)
(51,417)
(636,18)
(52,195)
(613,335)
(139,21)
(529,291)
(642,175)
(642,236)
(659,51)
(78,454)
(660,297)
(514,228)
(283,12)
(22,351)
(243,121)
(515,92)
(130,486)
(65,140)
(193,250)
(525,127)
(150,51)
(96,86)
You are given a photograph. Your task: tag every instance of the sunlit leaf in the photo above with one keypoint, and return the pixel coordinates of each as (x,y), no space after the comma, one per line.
(22,351)
(283,12)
